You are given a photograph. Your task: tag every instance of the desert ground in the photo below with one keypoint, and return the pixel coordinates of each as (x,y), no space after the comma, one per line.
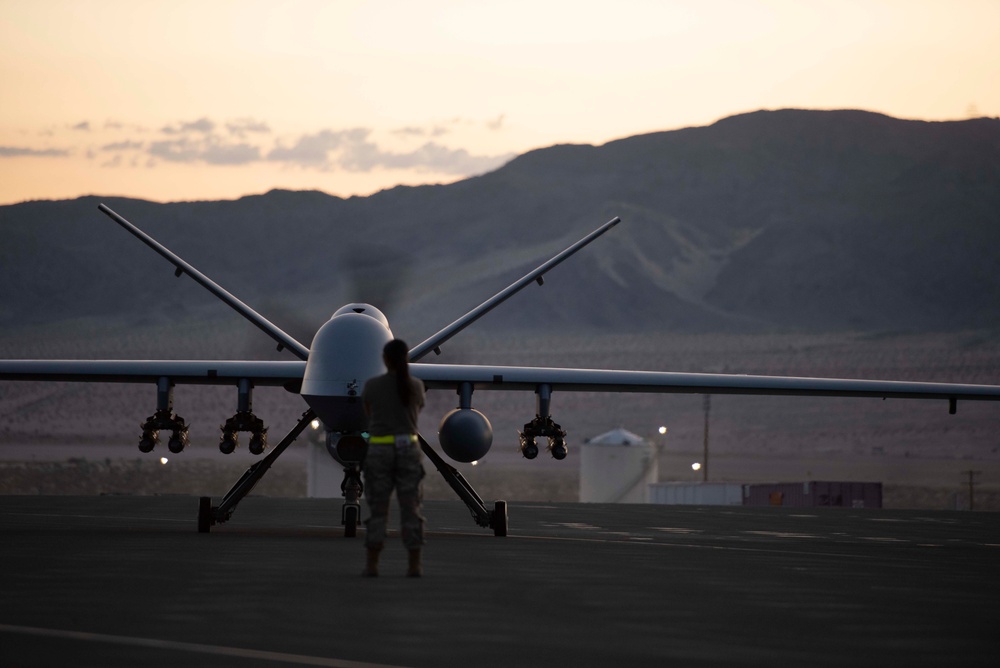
(66,438)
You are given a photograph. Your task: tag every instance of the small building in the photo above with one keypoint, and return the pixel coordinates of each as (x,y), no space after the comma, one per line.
(617,467)
(323,474)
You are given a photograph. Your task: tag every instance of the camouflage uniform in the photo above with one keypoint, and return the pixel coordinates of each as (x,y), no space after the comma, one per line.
(388,466)
(391,465)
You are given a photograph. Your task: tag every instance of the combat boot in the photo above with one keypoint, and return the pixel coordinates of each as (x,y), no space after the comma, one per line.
(415,570)
(371,562)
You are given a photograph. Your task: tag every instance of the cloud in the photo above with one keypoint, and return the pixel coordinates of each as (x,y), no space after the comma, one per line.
(314,150)
(211,150)
(432,157)
(415,131)
(245,140)
(174,150)
(410,131)
(497,123)
(203,125)
(114,125)
(241,127)
(352,150)
(435,157)
(83,126)
(123,146)
(17,152)
(230,154)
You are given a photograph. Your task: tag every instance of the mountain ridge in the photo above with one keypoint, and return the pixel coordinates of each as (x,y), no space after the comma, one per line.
(785,220)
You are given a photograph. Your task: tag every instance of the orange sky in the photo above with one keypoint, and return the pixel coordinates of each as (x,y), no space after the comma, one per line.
(213,100)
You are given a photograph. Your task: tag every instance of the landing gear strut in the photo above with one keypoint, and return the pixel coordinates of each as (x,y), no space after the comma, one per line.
(351,451)
(495,519)
(209,515)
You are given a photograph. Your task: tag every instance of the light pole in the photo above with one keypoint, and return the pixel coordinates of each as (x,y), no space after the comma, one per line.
(972,482)
(704,469)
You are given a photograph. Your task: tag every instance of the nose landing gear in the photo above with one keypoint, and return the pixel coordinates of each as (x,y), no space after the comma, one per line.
(351,452)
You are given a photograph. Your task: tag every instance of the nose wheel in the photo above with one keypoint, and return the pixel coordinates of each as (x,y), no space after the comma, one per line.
(350,451)
(353,489)
(205,520)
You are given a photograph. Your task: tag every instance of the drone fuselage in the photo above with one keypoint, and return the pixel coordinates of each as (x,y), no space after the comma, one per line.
(345,353)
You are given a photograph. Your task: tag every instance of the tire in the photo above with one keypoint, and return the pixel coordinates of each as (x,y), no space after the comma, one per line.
(350,521)
(204,514)
(500,518)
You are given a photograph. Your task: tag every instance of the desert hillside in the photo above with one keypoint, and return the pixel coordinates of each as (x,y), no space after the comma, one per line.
(839,243)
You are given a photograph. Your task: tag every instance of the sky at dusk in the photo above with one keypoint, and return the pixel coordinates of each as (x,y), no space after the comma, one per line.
(201,100)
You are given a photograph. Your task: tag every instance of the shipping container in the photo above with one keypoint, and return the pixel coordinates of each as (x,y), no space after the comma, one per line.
(814,494)
(696,493)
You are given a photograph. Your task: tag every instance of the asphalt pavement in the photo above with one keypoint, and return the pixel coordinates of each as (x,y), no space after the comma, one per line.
(127,581)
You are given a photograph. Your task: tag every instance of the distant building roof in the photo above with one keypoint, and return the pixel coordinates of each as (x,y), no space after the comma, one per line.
(617,436)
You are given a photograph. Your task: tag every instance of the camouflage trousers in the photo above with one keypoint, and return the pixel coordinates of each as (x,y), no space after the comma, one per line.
(386,467)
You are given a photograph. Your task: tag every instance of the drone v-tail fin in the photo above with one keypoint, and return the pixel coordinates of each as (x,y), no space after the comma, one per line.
(435,341)
(284,339)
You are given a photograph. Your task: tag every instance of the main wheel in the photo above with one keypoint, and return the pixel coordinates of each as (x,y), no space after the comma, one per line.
(204,514)
(350,521)
(499,518)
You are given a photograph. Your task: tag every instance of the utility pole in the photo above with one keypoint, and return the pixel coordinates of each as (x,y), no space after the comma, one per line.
(704,468)
(972,482)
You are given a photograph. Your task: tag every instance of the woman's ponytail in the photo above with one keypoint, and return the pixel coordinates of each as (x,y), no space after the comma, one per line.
(396,355)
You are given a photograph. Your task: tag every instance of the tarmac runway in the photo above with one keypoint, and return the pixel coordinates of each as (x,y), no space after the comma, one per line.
(127,581)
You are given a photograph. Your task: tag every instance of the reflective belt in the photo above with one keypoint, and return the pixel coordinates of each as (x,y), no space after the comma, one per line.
(389,440)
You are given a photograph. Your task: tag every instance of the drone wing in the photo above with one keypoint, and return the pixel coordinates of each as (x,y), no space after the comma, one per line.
(434,342)
(221,372)
(439,376)
(466,434)
(283,339)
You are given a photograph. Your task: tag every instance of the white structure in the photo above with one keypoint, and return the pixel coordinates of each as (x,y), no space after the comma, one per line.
(323,474)
(696,493)
(617,467)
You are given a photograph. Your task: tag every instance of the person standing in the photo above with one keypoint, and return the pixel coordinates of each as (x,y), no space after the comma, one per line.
(392,403)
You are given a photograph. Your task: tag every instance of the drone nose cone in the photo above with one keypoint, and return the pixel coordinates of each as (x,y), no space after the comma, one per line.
(345,353)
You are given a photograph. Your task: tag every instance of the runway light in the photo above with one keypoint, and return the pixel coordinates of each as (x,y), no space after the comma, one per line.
(663,430)
(164,460)
(315,424)
(696,466)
